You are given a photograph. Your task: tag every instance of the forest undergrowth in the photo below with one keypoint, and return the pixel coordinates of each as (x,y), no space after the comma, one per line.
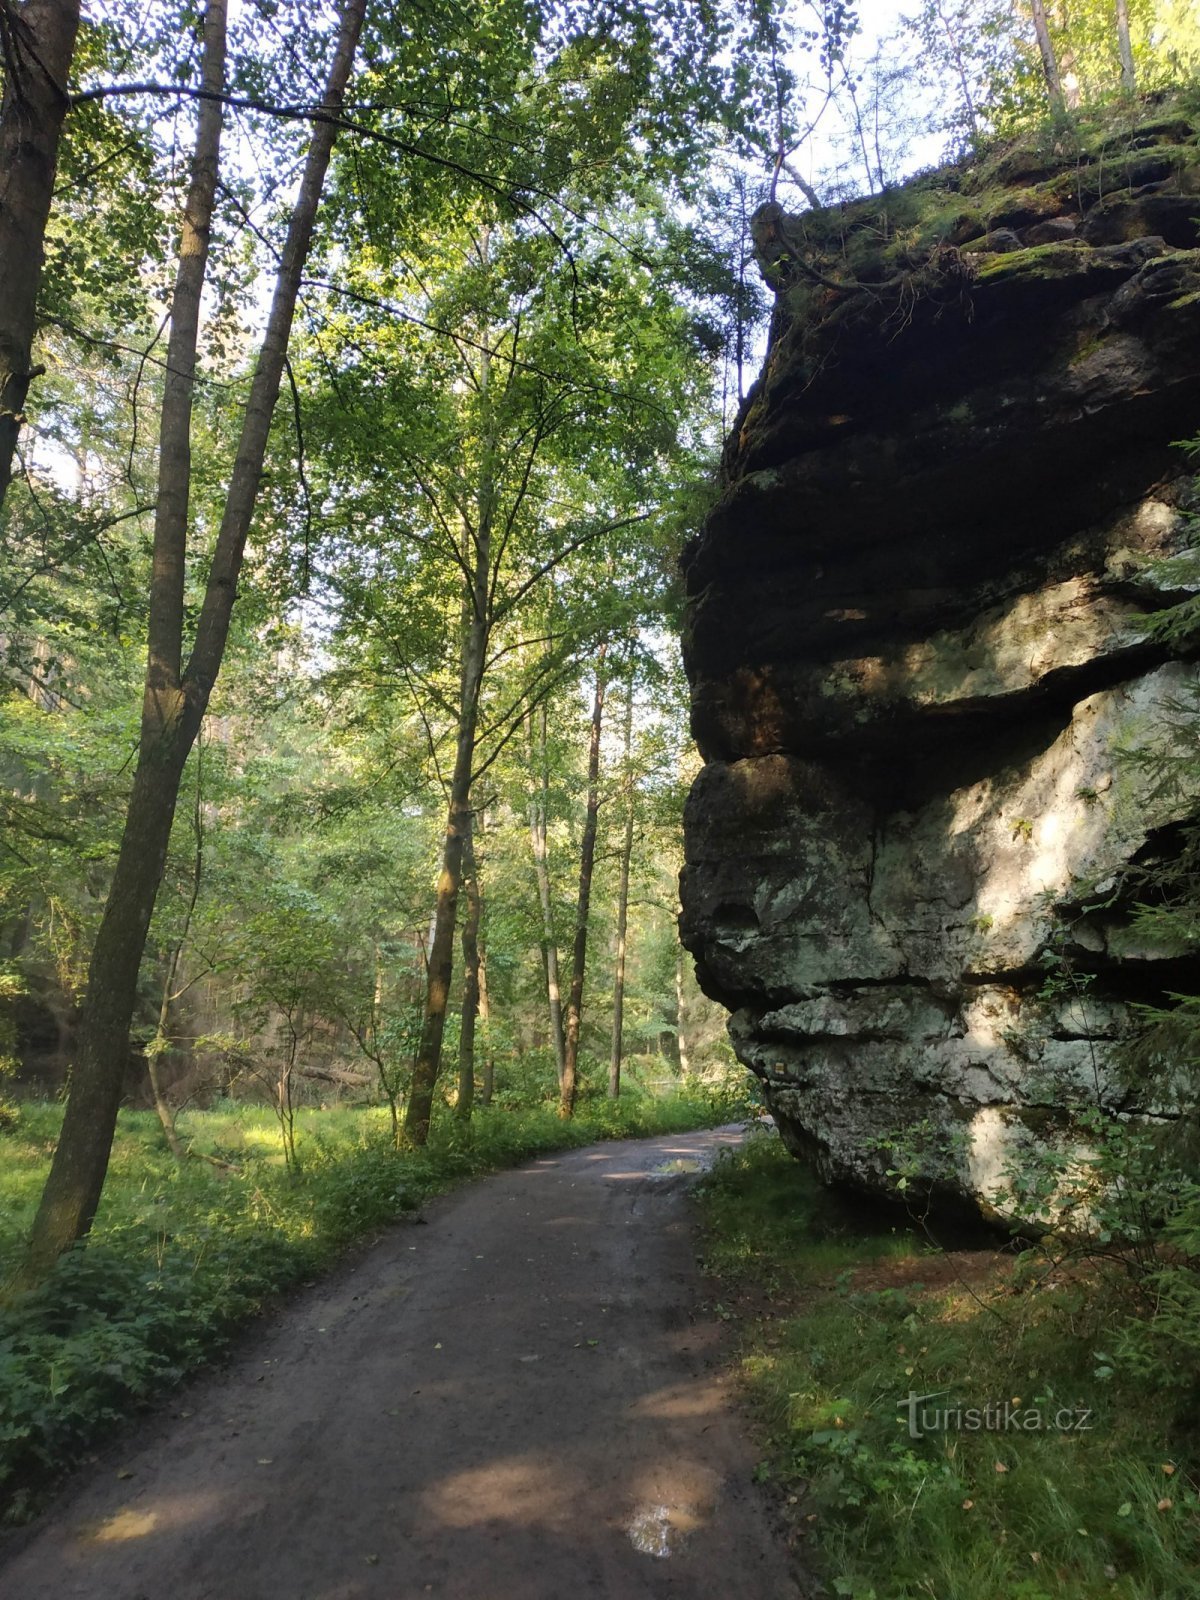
(1048,1462)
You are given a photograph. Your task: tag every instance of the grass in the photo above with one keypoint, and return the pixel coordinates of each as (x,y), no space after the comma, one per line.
(1043,172)
(182,1255)
(846,1314)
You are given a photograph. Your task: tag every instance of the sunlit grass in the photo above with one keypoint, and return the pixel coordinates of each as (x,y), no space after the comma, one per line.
(992,1514)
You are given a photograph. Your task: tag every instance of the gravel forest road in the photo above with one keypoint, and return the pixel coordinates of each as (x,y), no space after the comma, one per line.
(523,1400)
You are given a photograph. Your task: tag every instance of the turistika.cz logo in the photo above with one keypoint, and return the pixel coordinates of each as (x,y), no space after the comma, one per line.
(926,1416)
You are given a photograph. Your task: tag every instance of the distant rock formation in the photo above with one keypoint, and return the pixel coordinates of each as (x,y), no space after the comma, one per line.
(914,652)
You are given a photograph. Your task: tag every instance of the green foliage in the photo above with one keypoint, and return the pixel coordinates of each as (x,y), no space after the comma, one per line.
(1067,1511)
(769,1219)
(12,985)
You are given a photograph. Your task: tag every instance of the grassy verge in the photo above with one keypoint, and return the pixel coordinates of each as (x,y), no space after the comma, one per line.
(182,1255)
(845,1316)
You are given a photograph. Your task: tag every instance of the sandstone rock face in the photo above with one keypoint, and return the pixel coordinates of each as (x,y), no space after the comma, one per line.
(915,656)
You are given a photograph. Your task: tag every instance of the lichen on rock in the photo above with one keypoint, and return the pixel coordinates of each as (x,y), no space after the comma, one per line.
(915,651)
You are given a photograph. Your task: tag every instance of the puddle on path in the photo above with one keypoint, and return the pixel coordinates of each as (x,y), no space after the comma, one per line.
(651,1532)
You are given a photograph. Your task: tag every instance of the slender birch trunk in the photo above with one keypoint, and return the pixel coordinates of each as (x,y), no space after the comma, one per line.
(614,1064)
(538,809)
(174,704)
(587,858)
(39,45)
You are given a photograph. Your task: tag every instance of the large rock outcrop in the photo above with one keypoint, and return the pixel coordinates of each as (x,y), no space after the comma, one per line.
(915,653)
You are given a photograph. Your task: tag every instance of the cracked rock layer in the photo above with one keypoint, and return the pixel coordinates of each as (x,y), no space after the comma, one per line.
(915,653)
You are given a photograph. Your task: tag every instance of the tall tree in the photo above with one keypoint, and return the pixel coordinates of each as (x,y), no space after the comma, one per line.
(175,698)
(38,39)
(614,1063)
(587,862)
(475,627)
(1125,46)
(487,1082)
(471,976)
(501,426)
(539,797)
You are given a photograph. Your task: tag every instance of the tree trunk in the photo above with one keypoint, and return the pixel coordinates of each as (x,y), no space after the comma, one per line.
(953,45)
(487,1083)
(171,718)
(440,963)
(475,626)
(158,1047)
(470,950)
(163,1111)
(386,1080)
(77,1172)
(1041,27)
(614,1064)
(1128,77)
(685,1054)
(285,1108)
(38,44)
(538,807)
(587,858)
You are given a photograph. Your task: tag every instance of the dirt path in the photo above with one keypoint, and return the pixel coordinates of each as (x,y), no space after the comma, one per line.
(520,1401)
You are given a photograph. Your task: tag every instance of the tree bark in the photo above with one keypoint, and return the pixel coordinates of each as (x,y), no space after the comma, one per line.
(487,1083)
(39,45)
(952,43)
(685,1054)
(1128,76)
(470,949)
(76,1177)
(587,858)
(168,570)
(1041,28)
(614,1064)
(158,1047)
(440,963)
(474,631)
(538,807)
(171,717)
